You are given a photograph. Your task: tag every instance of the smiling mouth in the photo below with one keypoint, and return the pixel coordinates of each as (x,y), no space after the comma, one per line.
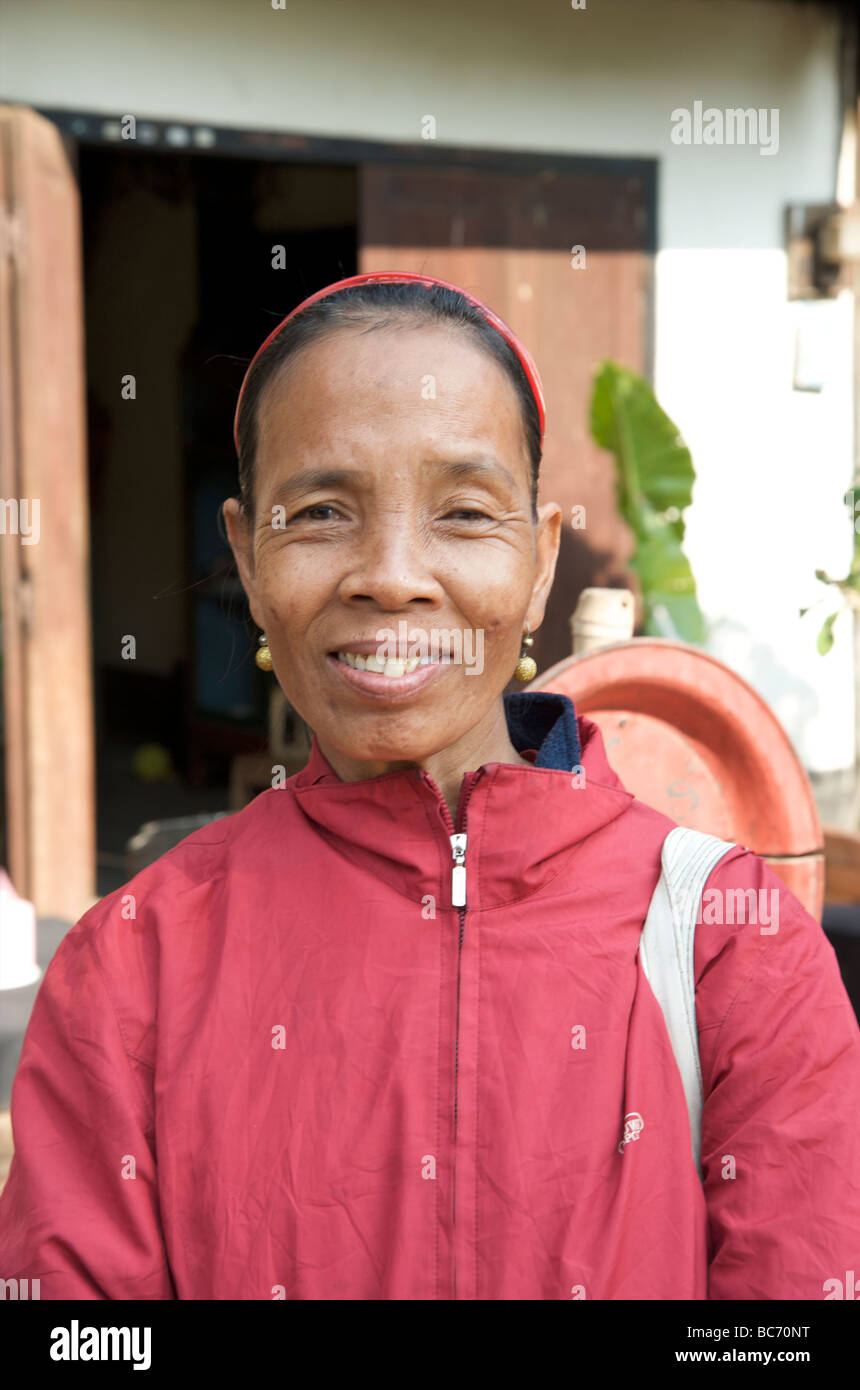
(393,667)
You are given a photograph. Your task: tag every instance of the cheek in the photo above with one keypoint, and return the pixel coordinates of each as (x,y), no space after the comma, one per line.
(291,583)
(502,636)
(497,628)
(285,610)
(492,594)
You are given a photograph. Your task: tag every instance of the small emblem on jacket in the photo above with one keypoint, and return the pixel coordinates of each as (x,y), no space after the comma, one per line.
(633,1127)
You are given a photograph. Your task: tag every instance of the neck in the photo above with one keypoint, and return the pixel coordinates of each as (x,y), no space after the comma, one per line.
(488,742)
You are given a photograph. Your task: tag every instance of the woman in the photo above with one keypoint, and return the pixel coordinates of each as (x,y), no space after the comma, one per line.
(376,1036)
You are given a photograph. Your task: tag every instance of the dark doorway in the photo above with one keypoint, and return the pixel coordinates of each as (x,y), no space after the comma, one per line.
(181,286)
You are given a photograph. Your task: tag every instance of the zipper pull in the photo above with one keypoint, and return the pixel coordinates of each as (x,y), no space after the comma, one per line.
(458,876)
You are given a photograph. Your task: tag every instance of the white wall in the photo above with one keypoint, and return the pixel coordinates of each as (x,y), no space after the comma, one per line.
(772,462)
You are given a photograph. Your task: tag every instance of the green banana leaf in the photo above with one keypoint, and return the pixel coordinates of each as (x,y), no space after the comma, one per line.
(654,484)
(848,586)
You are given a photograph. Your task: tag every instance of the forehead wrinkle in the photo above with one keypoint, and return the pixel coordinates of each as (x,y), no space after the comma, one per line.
(311,478)
(338,391)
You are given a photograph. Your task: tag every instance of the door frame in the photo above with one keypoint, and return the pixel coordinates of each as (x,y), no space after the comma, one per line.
(204,138)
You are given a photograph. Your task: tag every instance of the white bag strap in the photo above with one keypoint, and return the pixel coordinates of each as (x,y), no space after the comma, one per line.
(666,952)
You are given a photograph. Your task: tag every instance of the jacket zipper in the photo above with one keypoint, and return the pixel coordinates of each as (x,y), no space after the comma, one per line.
(459,841)
(458,900)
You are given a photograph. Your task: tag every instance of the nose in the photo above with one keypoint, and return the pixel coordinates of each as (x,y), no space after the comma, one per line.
(390,568)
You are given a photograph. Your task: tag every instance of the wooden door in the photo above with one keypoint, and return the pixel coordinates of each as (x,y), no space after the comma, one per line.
(508,237)
(44,559)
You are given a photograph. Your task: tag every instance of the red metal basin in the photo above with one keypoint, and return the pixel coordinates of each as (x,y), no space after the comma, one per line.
(692,739)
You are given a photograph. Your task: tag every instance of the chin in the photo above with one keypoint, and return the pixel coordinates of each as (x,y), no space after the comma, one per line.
(390,746)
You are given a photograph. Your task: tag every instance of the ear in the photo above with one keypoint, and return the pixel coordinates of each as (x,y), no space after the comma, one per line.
(548,542)
(240,536)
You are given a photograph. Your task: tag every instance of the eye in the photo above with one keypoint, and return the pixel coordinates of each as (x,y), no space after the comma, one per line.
(316,507)
(470,514)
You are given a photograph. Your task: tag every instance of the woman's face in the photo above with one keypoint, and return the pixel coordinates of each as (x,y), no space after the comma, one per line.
(392,501)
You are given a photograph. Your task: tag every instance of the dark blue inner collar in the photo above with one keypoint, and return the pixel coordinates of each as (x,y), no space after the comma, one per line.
(547,722)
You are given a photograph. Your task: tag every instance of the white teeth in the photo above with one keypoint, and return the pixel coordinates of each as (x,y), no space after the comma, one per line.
(393,667)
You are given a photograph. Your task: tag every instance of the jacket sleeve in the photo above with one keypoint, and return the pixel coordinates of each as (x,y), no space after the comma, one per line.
(80,1209)
(780,1050)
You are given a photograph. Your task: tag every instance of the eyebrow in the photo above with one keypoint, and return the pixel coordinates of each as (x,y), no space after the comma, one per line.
(320,479)
(313,480)
(484,465)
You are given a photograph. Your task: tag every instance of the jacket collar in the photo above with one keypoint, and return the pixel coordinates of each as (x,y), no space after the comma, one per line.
(537,719)
(522,822)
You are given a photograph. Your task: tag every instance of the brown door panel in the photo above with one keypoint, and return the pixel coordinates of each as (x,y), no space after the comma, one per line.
(508,238)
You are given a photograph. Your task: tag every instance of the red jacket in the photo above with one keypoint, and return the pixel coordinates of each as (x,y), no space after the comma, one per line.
(279,1063)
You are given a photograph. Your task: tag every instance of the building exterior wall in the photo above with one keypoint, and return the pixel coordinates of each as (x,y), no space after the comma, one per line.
(772,462)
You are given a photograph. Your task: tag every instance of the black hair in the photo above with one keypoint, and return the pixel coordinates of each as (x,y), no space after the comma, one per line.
(379,304)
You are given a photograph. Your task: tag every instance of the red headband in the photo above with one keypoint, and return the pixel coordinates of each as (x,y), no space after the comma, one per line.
(406,277)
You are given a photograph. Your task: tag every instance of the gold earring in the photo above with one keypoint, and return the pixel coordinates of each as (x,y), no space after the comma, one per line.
(526,667)
(263,656)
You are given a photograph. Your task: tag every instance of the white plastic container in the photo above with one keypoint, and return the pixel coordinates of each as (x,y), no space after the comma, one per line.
(602,616)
